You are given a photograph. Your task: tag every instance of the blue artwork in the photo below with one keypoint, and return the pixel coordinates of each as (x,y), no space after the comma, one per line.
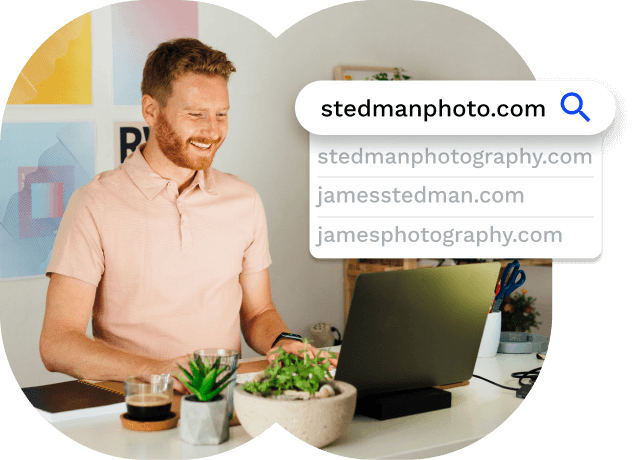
(41,165)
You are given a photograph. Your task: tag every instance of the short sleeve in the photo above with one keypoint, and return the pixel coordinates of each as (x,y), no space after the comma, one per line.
(257,256)
(78,251)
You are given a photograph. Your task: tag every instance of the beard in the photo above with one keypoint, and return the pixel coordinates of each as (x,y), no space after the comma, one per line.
(175,149)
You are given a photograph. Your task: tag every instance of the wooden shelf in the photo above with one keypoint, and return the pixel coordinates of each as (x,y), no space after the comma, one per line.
(526,262)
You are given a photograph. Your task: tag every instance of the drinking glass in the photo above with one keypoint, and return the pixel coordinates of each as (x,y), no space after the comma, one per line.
(149,400)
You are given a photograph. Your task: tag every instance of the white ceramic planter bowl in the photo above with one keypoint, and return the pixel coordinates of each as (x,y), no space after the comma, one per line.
(317,422)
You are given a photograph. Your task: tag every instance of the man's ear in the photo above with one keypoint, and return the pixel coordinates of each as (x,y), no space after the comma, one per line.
(150,109)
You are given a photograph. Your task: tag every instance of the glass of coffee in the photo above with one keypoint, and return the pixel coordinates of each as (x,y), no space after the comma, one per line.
(149,401)
(228,359)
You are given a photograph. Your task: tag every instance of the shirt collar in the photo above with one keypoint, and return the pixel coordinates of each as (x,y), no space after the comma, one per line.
(151,184)
(206,180)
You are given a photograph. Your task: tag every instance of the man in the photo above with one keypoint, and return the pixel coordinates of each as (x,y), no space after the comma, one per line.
(169,254)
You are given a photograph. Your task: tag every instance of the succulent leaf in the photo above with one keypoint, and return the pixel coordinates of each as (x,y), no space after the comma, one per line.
(203,380)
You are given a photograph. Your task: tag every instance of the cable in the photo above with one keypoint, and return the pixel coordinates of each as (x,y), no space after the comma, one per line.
(532,375)
(494,383)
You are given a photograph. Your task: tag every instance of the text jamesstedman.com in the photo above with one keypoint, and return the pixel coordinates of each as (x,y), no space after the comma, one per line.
(429,197)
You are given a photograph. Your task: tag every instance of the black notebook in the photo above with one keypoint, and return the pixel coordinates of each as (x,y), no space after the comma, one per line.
(75,399)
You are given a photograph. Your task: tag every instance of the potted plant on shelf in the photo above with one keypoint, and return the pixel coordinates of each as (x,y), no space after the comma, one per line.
(383,76)
(519,313)
(204,417)
(298,393)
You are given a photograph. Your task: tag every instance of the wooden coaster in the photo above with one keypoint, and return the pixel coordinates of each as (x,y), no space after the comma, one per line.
(161,425)
(452,385)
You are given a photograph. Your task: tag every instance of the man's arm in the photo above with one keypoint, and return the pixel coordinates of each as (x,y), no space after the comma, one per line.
(260,322)
(65,348)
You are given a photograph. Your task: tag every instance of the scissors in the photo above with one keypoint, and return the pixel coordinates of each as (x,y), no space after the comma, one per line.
(509,285)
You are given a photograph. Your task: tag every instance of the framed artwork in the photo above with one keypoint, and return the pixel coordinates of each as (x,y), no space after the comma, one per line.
(362,72)
(41,165)
(59,72)
(128,136)
(137,28)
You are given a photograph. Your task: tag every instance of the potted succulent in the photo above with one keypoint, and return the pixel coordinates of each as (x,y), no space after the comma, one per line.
(519,313)
(298,393)
(204,413)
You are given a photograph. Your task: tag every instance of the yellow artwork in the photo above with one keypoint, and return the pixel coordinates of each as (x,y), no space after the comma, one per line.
(59,72)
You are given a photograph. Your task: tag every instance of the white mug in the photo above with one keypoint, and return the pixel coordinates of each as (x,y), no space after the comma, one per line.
(491,336)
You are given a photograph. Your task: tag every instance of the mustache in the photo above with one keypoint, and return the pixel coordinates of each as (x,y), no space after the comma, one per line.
(203,140)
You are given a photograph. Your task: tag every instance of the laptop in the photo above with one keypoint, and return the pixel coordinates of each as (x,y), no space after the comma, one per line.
(414,329)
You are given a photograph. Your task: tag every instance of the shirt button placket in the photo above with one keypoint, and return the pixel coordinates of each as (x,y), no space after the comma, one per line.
(172,190)
(186,231)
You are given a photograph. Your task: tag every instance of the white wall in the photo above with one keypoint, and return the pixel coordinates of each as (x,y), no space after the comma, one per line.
(266,145)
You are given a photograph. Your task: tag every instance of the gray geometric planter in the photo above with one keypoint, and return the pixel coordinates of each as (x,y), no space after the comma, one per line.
(204,422)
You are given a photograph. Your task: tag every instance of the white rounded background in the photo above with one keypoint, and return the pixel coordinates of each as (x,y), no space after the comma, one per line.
(266,146)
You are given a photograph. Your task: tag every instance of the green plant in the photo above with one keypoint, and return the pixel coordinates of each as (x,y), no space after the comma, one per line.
(202,380)
(291,372)
(383,76)
(519,314)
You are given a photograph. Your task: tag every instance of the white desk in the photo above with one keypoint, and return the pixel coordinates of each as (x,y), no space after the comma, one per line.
(477,410)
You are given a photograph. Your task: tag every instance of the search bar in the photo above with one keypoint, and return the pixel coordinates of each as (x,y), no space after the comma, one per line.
(455,107)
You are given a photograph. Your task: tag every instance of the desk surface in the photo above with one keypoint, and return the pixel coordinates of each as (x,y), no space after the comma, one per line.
(477,409)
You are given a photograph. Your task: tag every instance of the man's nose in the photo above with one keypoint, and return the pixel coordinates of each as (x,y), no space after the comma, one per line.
(212,129)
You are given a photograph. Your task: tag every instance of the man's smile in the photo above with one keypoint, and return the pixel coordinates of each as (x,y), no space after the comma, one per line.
(201,145)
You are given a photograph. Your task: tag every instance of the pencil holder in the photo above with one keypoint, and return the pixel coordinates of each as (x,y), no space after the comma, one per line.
(491,336)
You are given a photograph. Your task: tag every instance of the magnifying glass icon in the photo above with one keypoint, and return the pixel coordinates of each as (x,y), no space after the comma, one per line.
(578,110)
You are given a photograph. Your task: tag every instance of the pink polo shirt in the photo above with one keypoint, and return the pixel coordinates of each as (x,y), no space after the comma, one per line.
(165,264)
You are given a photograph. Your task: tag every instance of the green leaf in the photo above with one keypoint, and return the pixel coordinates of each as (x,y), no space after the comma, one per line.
(198,394)
(226,377)
(193,365)
(218,390)
(203,369)
(185,373)
(183,381)
(187,385)
(257,387)
(319,373)
(196,373)
(209,382)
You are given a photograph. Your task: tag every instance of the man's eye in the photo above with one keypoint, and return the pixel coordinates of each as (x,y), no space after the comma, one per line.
(222,114)
(195,114)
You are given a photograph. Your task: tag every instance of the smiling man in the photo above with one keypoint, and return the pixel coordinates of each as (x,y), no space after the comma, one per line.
(167,253)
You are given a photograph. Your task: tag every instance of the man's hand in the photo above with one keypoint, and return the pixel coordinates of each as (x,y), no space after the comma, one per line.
(170,366)
(298,348)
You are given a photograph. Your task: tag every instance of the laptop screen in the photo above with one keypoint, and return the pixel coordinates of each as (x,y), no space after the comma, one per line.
(415,328)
